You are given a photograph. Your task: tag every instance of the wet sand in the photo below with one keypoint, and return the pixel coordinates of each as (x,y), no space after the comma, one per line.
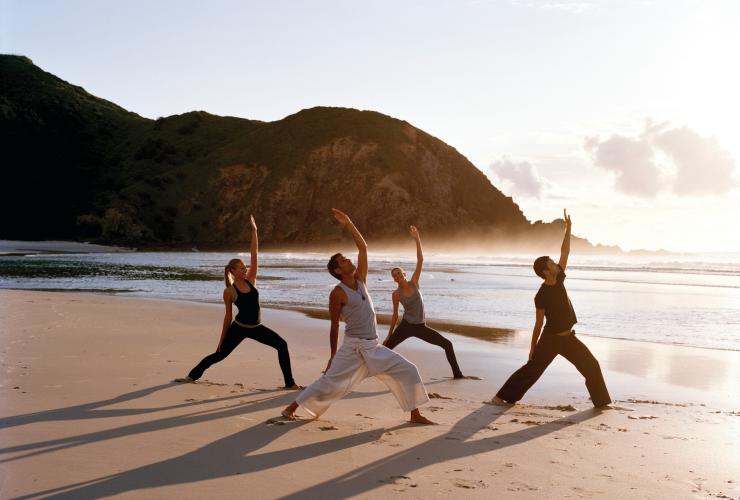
(88,410)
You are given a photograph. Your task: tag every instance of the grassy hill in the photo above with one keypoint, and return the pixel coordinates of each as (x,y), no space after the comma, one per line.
(81,167)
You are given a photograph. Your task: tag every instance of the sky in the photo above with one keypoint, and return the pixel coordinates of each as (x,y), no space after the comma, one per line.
(623,111)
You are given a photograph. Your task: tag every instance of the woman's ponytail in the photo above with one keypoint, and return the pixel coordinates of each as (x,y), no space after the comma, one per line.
(227,277)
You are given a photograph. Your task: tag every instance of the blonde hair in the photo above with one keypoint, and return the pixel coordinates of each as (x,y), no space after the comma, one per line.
(228,278)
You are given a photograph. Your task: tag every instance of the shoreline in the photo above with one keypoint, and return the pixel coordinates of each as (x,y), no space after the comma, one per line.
(633,358)
(471,330)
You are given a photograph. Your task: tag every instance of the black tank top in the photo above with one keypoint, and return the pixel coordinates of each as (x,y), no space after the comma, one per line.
(248,305)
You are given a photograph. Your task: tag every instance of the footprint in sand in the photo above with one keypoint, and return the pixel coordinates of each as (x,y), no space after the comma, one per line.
(436,395)
(468,484)
(208,382)
(400,481)
(275,421)
(622,408)
(558,407)
(328,428)
(520,486)
(652,402)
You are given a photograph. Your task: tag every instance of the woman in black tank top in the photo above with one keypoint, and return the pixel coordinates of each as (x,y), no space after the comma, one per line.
(240,291)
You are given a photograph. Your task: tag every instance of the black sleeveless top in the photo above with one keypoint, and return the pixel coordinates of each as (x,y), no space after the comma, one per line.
(248,305)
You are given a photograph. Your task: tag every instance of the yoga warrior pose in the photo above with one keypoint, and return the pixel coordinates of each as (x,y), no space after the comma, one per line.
(360,355)
(240,291)
(413,320)
(558,337)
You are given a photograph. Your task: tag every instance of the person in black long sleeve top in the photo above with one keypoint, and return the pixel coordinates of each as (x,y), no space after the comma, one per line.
(557,337)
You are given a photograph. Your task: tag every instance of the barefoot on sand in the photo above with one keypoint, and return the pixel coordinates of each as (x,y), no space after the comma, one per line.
(499,402)
(294,387)
(418,418)
(184,380)
(286,413)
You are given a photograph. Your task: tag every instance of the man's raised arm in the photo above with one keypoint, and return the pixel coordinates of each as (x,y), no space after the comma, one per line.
(565,247)
(359,241)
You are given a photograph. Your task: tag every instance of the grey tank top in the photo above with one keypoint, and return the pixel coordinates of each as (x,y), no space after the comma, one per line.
(359,313)
(413,306)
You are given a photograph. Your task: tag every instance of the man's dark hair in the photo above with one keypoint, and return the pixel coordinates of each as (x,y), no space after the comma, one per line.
(539,266)
(332,265)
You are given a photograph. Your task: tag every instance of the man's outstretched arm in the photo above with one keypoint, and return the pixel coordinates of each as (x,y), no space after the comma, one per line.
(359,241)
(565,247)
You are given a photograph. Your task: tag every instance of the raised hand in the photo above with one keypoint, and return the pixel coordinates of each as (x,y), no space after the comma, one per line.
(414,232)
(566,217)
(253,224)
(341,216)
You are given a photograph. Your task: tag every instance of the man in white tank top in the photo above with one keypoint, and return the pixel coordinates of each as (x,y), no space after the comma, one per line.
(361,355)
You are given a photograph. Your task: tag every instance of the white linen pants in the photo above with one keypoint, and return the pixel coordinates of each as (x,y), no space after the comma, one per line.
(356,360)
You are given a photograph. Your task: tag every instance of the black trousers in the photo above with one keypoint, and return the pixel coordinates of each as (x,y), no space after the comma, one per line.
(545,351)
(423,332)
(234,336)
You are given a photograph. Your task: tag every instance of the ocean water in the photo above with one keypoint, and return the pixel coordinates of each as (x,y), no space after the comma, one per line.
(693,301)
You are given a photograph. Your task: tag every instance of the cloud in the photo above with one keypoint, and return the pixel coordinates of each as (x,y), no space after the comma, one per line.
(632,160)
(702,166)
(665,159)
(521,177)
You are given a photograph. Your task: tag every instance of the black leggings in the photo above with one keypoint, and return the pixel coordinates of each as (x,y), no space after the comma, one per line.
(234,335)
(545,351)
(423,332)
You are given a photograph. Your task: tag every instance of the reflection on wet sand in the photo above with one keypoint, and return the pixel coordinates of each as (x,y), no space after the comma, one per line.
(487,333)
(706,370)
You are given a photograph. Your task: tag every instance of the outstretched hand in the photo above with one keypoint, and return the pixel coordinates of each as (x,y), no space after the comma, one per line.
(414,232)
(252,223)
(341,216)
(566,217)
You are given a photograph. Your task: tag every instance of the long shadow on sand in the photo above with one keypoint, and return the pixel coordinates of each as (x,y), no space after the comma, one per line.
(225,457)
(51,445)
(94,409)
(234,455)
(91,411)
(452,445)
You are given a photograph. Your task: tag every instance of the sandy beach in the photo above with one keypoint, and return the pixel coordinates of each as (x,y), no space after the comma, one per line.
(89,410)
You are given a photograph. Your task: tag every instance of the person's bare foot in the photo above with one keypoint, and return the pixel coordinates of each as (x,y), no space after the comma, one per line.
(499,402)
(289,411)
(184,380)
(294,387)
(418,418)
